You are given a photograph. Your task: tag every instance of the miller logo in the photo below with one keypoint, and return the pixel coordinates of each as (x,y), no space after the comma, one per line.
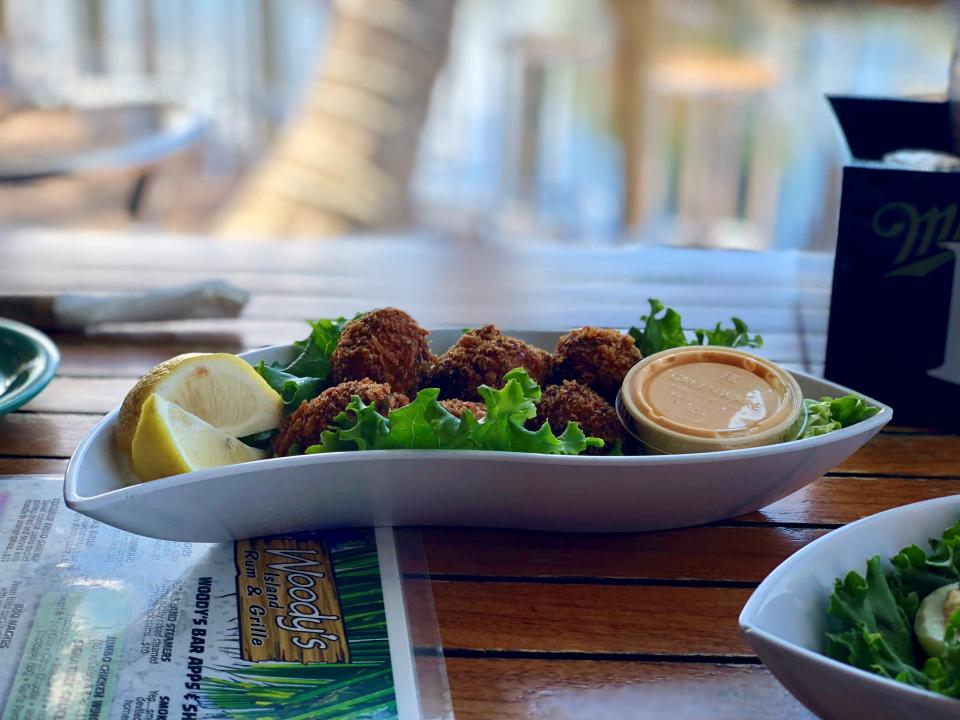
(928,240)
(925,238)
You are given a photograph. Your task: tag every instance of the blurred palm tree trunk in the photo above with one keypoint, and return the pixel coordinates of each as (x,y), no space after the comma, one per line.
(345,160)
(634,24)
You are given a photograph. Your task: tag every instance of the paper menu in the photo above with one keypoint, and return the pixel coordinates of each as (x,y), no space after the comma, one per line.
(99,623)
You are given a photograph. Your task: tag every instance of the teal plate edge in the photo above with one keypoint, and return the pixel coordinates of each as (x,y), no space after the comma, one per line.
(51,360)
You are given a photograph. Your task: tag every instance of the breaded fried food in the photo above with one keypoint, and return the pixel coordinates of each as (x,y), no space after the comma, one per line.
(573,402)
(304,425)
(386,346)
(598,357)
(483,357)
(456,407)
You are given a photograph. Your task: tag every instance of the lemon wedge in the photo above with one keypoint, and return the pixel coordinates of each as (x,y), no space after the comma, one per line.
(169,441)
(219,388)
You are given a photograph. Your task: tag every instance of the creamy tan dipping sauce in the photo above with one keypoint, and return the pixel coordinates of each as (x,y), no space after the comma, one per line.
(696,398)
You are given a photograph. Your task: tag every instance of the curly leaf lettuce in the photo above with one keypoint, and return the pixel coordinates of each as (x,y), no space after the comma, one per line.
(868,629)
(870,619)
(737,336)
(915,573)
(665,331)
(828,414)
(426,424)
(507,411)
(943,674)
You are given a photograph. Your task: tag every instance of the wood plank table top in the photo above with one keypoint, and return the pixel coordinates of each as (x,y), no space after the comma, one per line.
(532,624)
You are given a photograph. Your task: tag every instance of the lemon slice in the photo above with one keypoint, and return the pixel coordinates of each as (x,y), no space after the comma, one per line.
(170,441)
(218,388)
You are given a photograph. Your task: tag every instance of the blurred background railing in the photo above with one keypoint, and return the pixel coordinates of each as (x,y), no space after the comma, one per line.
(686,122)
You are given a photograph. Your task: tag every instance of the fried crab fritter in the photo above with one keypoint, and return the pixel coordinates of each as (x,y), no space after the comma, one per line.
(482,357)
(304,425)
(598,357)
(573,402)
(387,346)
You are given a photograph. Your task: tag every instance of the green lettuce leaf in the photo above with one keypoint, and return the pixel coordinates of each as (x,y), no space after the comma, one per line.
(870,620)
(426,424)
(868,629)
(364,427)
(737,336)
(666,332)
(851,409)
(828,414)
(915,573)
(943,674)
(307,376)
(293,389)
(358,427)
(659,333)
(262,440)
(316,349)
(510,407)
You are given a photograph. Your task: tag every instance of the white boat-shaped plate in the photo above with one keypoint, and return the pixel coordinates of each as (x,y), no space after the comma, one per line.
(784,621)
(413,487)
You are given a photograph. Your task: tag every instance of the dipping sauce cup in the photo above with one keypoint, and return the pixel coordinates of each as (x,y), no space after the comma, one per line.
(700,399)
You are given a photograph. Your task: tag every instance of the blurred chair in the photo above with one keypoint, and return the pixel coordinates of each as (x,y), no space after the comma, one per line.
(92,158)
(711,165)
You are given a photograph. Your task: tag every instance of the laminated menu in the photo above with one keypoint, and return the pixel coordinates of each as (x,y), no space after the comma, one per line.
(96,622)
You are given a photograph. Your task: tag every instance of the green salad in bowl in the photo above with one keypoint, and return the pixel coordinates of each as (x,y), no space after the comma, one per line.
(903,622)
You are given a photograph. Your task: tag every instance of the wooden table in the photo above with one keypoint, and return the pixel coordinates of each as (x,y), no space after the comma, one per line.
(533,624)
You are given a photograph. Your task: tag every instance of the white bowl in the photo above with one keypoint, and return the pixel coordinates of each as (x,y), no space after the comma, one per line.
(785,619)
(412,487)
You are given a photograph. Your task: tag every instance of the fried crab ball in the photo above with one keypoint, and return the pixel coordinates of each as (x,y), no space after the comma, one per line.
(385,345)
(483,357)
(598,357)
(304,425)
(572,401)
(457,406)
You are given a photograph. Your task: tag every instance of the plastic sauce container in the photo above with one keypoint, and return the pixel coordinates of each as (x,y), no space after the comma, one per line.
(700,399)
